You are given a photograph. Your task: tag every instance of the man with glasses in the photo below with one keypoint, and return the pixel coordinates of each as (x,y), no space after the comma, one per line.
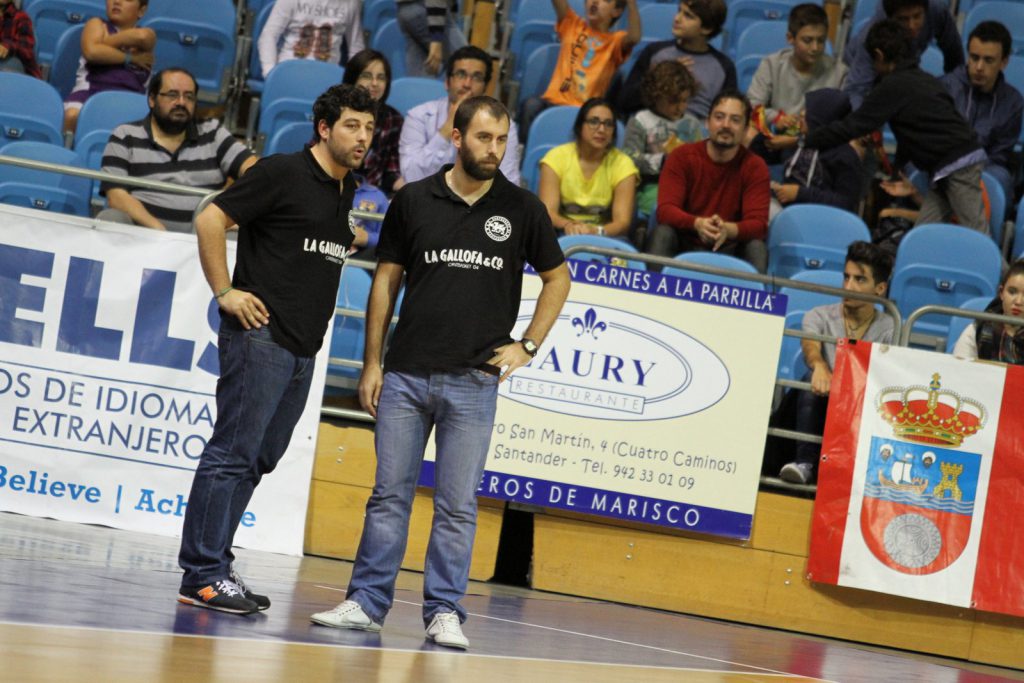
(172,146)
(426,142)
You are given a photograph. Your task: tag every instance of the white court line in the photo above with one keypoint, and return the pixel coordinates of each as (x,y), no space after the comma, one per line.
(416,651)
(609,640)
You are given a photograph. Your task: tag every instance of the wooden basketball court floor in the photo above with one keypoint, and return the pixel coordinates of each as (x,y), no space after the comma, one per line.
(89,603)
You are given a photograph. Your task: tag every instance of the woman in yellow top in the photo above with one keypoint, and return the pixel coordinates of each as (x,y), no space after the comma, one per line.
(589,186)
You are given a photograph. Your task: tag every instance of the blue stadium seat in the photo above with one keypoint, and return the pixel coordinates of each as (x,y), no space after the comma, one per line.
(946,265)
(531,166)
(812,237)
(799,301)
(712,258)
(742,13)
(44,190)
(957,325)
(348,337)
(863,10)
(376,13)
(198,35)
(566,241)
(1009,14)
(66,56)
(537,70)
(290,137)
(932,61)
(762,38)
(290,91)
(627,65)
(51,18)
(746,67)
(254,77)
(1017,247)
(526,38)
(553,126)
(100,115)
(410,91)
(532,10)
(389,41)
(30,109)
(656,20)
(1014,73)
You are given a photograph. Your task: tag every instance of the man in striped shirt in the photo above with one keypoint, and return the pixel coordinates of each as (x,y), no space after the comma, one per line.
(169,145)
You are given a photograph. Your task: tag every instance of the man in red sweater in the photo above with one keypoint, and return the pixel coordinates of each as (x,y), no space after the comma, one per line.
(715,194)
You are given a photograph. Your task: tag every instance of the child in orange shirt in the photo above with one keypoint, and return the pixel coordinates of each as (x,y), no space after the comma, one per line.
(590,54)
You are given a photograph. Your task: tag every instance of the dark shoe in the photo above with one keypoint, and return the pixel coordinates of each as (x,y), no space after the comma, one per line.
(223,595)
(262,601)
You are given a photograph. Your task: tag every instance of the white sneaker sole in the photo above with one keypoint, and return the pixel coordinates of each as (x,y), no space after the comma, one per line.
(323,621)
(184,599)
(457,646)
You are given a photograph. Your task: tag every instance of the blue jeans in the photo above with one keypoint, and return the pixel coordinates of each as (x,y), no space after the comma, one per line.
(412,20)
(261,393)
(810,418)
(461,406)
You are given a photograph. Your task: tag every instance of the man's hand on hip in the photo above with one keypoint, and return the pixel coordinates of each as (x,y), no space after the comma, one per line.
(511,357)
(246,307)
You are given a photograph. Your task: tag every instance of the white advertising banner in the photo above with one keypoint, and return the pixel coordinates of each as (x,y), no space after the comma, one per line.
(648,402)
(108,368)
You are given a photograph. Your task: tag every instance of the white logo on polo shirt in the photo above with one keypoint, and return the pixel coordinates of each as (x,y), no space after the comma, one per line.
(351,223)
(498,228)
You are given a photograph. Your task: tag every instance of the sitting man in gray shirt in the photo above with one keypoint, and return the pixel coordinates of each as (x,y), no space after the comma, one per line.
(866,271)
(172,146)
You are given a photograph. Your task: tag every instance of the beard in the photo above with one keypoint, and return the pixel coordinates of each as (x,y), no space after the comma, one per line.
(172,125)
(475,169)
(346,157)
(724,144)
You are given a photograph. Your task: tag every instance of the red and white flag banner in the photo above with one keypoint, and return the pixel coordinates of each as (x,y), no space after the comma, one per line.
(921,481)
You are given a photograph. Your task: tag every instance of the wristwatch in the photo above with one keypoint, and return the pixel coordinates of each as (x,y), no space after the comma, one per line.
(529,346)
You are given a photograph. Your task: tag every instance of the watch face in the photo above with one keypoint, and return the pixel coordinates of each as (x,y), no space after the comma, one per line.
(530,347)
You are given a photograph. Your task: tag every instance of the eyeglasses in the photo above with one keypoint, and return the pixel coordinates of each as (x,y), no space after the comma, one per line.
(595,122)
(174,95)
(461,75)
(366,76)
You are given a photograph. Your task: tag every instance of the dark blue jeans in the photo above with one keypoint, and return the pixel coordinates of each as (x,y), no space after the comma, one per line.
(261,393)
(810,418)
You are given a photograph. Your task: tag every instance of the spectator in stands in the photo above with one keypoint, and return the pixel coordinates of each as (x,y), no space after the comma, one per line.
(926,20)
(371,199)
(783,78)
(172,146)
(116,55)
(866,271)
(996,341)
(381,166)
(982,96)
(697,22)
(714,194)
(831,176)
(589,56)
(929,131)
(653,133)
(17,41)
(426,141)
(431,33)
(589,185)
(310,29)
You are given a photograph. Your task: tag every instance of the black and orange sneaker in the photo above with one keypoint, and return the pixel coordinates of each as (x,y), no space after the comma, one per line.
(223,595)
(262,601)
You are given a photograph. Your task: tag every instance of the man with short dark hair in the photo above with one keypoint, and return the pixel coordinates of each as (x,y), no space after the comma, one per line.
(169,145)
(924,20)
(987,101)
(714,194)
(867,271)
(274,314)
(461,237)
(426,141)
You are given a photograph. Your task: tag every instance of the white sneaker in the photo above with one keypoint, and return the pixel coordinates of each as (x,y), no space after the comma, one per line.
(346,615)
(797,473)
(445,629)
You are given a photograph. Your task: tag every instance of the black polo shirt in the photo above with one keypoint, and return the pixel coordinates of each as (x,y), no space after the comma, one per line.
(293,236)
(464,269)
